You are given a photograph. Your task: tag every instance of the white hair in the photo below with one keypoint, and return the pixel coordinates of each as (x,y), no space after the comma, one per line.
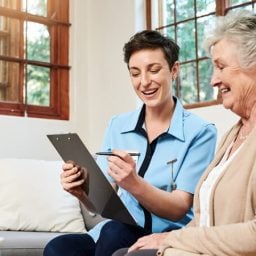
(238,27)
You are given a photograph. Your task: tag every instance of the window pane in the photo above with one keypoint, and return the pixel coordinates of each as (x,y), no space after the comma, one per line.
(203,25)
(38,42)
(184,9)
(249,7)
(13,4)
(207,92)
(205,7)
(9,36)
(168,12)
(38,86)
(169,31)
(188,83)
(9,81)
(35,7)
(186,40)
(236,2)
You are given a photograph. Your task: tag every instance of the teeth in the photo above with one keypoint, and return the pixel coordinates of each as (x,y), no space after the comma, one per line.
(150,92)
(224,90)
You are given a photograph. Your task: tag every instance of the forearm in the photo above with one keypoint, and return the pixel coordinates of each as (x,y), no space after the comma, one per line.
(170,205)
(233,239)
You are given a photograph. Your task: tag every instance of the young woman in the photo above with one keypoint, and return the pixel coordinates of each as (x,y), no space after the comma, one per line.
(158,197)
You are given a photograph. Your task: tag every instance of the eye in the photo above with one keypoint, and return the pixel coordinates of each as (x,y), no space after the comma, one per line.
(220,67)
(154,71)
(134,74)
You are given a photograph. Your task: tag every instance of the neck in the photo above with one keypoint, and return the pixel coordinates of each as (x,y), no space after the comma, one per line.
(162,112)
(157,120)
(248,122)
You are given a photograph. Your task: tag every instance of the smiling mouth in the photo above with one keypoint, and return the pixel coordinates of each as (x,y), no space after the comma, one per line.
(224,90)
(149,92)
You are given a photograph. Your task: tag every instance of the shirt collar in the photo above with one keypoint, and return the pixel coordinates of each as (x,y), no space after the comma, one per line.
(176,128)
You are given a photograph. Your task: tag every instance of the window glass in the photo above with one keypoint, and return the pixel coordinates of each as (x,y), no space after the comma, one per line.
(184,9)
(13,4)
(38,86)
(236,2)
(186,40)
(9,36)
(35,7)
(37,41)
(205,6)
(188,90)
(9,81)
(203,25)
(168,12)
(207,92)
(170,31)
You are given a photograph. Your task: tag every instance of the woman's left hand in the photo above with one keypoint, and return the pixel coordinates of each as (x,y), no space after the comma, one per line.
(153,241)
(122,168)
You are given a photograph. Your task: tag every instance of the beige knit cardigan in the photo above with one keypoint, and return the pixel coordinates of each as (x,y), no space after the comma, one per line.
(232,228)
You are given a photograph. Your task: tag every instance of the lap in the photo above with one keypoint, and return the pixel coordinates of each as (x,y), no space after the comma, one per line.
(123,252)
(70,245)
(153,252)
(179,252)
(115,235)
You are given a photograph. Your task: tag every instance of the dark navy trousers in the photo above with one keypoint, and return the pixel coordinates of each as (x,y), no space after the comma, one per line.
(114,235)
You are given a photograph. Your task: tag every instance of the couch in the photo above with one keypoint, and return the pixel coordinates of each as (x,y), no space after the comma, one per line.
(34,208)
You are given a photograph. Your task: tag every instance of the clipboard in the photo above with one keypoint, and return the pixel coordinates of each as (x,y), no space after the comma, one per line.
(101,197)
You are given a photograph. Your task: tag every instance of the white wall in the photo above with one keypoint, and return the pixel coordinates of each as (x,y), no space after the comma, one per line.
(107,26)
(100,85)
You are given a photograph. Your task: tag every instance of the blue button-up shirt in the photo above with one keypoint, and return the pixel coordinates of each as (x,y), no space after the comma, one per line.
(189,139)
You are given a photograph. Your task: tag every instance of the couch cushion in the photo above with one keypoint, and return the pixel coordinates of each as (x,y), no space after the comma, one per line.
(32,199)
(26,240)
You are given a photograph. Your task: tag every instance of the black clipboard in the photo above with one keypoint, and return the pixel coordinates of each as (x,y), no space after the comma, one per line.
(102,198)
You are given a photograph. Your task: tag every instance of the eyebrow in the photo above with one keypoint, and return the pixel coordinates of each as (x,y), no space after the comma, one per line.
(150,66)
(218,60)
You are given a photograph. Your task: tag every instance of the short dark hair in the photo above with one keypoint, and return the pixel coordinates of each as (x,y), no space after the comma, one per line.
(152,39)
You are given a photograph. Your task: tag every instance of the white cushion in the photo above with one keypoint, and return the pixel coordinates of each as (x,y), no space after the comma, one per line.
(32,199)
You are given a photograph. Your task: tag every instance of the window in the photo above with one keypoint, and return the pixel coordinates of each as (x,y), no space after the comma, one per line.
(187,21)
(34,71)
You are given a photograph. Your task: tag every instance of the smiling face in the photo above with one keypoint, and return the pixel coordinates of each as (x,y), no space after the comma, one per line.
(236,85)
(151,77)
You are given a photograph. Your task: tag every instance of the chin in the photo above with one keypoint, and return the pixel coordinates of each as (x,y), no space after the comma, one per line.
(227,104)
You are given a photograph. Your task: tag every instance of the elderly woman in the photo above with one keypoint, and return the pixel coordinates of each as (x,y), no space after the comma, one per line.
(225,198)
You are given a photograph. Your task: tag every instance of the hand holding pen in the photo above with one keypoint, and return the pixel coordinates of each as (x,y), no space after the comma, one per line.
(122,167)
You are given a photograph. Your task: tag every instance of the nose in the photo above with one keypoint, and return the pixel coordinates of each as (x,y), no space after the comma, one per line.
(145,79)
(215,80)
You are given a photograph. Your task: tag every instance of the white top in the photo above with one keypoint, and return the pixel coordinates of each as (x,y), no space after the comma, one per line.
(208,184)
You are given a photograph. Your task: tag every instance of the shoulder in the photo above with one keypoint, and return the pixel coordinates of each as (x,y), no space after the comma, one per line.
(198,125)
(125,121)
(191,122)
(196,121)
(131,115)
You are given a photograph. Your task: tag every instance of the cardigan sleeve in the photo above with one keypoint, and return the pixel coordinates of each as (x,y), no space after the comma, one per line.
(233,239)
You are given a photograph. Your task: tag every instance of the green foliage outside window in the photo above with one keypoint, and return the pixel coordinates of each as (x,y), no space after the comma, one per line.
(37,47)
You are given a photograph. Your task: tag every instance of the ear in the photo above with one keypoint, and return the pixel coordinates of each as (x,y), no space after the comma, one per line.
(175,70)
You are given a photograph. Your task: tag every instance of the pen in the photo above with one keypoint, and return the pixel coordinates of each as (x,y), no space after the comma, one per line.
(112,154)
